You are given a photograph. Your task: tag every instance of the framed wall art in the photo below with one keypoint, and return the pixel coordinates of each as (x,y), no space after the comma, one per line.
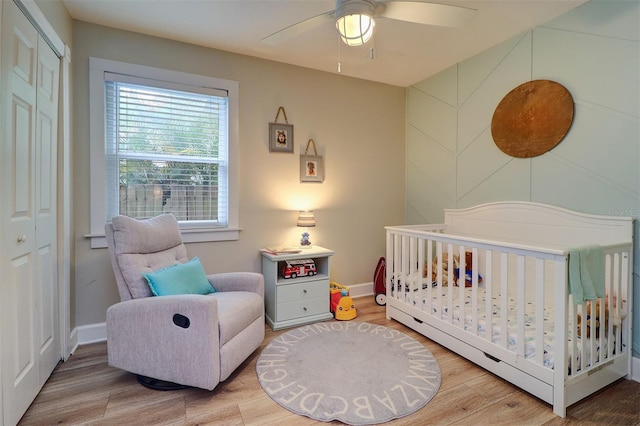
(281,134)
(311,166)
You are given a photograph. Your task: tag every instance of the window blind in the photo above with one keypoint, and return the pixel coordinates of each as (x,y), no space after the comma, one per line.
(166,150)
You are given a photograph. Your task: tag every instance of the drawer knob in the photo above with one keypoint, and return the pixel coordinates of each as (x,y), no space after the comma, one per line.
(304,308)
(304,291)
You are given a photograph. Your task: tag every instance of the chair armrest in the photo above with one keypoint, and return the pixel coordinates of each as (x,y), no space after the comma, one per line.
(142,338)
(238,281)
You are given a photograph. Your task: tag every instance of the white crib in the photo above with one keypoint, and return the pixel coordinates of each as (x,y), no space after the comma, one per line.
(515,316)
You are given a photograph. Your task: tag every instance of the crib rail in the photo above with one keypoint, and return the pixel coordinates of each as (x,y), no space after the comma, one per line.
(511,300)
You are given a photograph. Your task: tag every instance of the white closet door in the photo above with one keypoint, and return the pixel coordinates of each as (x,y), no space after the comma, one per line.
(28,306)
(46,285)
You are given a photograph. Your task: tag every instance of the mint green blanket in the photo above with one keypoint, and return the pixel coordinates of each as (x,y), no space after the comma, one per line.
(586,273)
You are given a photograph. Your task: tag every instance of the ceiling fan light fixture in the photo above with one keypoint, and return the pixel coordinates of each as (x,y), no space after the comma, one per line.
(354,21)
(355,30)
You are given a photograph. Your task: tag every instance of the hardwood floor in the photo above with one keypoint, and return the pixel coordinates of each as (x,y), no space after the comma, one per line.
(85,390)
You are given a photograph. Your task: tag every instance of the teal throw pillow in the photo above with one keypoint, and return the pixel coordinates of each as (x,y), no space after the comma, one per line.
(183,278)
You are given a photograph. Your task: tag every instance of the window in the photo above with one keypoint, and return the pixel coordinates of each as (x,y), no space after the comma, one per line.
(163,141)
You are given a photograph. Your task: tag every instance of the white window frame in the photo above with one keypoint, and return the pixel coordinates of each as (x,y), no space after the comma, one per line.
(97,69)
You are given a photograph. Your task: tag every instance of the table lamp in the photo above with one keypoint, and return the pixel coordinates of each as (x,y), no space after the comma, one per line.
(306,219)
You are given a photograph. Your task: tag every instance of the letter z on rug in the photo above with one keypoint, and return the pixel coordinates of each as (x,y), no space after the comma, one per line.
(354,372)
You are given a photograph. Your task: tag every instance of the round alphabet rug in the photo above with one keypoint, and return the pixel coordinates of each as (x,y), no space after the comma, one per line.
(354,372)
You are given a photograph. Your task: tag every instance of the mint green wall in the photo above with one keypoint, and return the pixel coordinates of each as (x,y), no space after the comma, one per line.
(452,161)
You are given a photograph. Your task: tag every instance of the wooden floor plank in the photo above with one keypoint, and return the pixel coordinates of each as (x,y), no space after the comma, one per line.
(85,390)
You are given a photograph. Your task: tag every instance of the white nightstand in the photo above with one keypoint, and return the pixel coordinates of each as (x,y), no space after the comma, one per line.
(295,301)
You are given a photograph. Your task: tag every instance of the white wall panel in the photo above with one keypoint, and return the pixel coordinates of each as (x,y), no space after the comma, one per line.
(558,182)
(442,86)
(413,216)
(478,162)
(433,160)
(477,111)
(598,70)
(432,117)
(425,197)
(474,71)
(605,144)
(598,17)
(510,182)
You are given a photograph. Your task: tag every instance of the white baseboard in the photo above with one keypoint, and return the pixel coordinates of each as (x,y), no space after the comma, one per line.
(635,369)
(360,290)
(73,341)
(92,333)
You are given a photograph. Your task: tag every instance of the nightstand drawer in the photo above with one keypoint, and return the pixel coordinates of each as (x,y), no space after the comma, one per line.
(302,291)
(302,308)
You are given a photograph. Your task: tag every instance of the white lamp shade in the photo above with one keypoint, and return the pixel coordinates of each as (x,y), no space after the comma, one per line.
(306,219)
(356,29)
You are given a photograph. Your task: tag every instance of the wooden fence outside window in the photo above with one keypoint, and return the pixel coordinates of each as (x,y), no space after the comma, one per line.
(187,202)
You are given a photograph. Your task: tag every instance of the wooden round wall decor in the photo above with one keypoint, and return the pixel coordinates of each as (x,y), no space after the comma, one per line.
(532,119)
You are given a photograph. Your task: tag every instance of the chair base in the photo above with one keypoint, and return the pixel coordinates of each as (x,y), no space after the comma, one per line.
(157,384)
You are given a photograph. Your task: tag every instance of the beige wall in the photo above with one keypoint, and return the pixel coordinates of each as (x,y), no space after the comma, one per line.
(358,126)
(58,17)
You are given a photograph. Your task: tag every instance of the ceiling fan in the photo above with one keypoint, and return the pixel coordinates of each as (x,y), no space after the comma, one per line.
(355,19)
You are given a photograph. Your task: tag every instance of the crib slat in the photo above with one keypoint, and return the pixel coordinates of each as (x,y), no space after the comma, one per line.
(488,283)
(582,310)
(461,283)
(539,339)
(521,303)
(420,270)
(504,299)
(393,265)
(474,290)
(404,267)
(429,276)
(413,260)
(450,282)
(617,262)
(573,315)
(592,337)
(439,278)
(611,290)
(388,280)
(624,294)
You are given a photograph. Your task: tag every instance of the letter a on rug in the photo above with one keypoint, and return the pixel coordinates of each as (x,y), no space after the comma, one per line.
(354,372)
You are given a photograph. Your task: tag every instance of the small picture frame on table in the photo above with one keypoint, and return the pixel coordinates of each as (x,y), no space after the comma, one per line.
(280,137)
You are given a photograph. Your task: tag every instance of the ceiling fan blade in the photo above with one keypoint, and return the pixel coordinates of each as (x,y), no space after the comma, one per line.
(299,27)
(443,15)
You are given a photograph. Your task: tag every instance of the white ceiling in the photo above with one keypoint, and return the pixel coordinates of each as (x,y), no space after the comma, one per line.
(405,53)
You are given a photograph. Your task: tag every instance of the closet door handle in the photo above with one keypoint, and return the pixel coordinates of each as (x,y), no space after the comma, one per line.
(22,238)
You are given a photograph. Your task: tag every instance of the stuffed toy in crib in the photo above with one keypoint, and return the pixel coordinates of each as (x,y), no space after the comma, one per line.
(444,265)
(596,323)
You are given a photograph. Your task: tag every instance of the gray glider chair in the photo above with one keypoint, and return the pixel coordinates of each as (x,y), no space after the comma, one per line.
(167,338)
